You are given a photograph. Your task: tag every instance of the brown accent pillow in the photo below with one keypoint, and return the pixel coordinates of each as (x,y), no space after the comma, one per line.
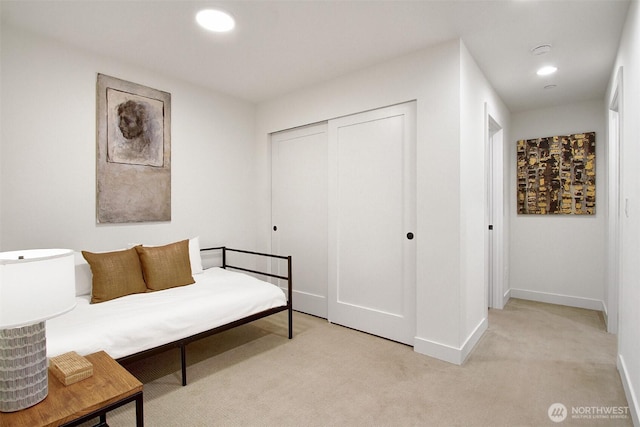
(115,274)
(166,266)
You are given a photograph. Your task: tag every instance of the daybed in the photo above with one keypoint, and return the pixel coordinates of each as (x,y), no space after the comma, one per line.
(138,325)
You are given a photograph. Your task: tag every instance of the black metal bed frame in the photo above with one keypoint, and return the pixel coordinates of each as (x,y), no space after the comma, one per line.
(182,343)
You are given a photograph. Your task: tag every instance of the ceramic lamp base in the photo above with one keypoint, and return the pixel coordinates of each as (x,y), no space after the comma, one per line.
(24,378)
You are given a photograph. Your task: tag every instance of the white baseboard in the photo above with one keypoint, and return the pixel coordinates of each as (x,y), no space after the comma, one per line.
(632,398)
(449,353)
(579,302)
(473,338)
(505,298)
(437,350)
(605,315)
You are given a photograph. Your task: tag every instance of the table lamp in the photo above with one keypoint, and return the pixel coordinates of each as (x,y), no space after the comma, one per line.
(35,285)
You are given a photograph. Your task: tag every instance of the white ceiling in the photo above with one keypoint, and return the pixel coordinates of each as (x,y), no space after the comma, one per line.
(280,46)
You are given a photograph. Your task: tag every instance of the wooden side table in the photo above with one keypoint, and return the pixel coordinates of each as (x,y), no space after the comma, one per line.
(110,387)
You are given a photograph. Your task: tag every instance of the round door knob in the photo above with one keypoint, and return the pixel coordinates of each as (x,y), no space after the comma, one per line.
(275,228)
(410,236)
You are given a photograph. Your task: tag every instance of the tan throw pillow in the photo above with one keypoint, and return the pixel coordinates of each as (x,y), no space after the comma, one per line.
(115,274)
(166,266)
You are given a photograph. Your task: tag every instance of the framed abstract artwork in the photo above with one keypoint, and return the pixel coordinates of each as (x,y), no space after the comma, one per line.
(133,152)
(557,175)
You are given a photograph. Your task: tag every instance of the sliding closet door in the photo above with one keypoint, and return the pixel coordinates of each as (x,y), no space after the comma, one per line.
(372,222)
(299,212)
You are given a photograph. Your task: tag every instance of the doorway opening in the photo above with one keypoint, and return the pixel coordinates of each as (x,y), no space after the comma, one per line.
(495,231)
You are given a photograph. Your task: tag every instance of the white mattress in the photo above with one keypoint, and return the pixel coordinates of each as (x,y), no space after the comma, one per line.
(138,322)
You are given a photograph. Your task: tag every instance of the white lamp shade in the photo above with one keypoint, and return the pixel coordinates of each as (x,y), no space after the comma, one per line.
(36,287)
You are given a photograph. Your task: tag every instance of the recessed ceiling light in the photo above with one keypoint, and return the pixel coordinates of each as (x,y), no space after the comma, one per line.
(545,71)
(215,20)
(541,49)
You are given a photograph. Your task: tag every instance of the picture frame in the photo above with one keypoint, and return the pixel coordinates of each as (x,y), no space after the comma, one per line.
(133,156)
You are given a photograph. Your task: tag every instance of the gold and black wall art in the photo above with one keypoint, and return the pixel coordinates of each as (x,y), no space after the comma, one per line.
(557,175)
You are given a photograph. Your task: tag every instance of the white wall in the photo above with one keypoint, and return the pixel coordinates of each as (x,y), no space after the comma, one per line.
(48,149)
(629,292)
(475,93)
(560,258)
(432,78)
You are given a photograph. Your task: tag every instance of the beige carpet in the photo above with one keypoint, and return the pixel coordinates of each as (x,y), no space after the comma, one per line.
(532,356)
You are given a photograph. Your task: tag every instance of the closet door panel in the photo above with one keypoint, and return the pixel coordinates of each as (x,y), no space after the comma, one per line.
(371,212)
(369,222)
(299,212)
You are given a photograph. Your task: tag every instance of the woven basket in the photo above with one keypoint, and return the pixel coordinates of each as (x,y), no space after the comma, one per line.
(70,368)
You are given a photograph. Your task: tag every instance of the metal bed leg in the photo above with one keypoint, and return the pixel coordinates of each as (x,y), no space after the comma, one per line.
(290,296)
(183,363)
